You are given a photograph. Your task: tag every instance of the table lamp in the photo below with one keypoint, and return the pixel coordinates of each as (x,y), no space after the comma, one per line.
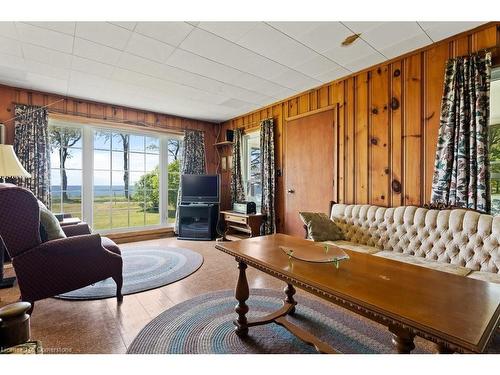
(9,167)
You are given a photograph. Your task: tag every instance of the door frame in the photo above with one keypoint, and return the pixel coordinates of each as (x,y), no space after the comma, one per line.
(335,156)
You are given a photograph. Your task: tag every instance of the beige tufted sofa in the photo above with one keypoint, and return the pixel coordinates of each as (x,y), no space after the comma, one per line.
(457,241)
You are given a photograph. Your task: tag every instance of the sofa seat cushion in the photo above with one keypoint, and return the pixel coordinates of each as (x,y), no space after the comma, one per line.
(360,248)
(485,276)
(418,261)
(110,245)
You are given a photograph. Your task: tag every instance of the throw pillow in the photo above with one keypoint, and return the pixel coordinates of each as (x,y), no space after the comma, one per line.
(50,223)
(320,227)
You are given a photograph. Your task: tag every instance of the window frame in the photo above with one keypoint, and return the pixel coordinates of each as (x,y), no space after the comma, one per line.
(246,164)
(87,191)
(493,122)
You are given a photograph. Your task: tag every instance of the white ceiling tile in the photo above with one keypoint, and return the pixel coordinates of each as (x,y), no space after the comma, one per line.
(10,46)
(47,56)
(47,83)
(46,70)
(172,33)
(362,26)
(8,29)
(92,67)
(200,65)
(442,30)
(346,55)
(61,27)
(365,62)
(234,103)
(316,66)
(313,34)
(260,85)
(140,65)
(333,75)
(103,33)
(97,52)
(295,80)
(383,34)
(233,31)
(45,38)
(275,45)
(127,25)
(225,52)
(406,45)
(149,48)
(12,61)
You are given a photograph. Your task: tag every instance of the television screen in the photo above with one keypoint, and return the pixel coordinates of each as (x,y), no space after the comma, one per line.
(200,188)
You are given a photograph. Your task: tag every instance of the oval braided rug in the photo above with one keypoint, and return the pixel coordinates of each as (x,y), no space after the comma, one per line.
(203,325)
(143,269)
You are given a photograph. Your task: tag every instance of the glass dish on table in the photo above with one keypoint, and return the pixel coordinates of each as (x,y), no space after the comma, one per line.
(325,254)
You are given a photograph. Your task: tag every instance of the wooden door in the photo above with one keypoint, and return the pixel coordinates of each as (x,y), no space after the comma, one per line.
(309,167)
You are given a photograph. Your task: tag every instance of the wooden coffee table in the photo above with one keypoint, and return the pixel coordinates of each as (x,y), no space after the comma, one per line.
(457,313)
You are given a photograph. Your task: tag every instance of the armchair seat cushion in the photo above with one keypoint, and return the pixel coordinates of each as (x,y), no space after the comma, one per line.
(360,248)
(110,245)
(422,262)
(485,276)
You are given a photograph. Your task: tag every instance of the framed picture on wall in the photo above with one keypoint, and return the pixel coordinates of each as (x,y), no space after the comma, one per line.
(230,162)
(223,162)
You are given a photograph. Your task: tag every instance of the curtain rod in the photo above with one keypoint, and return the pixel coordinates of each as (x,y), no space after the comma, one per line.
(38,108)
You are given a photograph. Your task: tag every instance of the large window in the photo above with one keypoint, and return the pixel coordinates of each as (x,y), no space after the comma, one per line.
(174,147)
(66,170)
(114,179)
(494,140)
(252,177)
(126,180)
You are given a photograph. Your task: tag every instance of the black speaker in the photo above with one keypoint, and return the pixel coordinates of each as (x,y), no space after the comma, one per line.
(230,135)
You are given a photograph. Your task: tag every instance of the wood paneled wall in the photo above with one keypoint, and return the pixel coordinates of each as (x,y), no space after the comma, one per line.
(387,126)
(84,110)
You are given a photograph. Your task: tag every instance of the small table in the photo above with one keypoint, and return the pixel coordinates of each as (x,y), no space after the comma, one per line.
(70,221)
(244,223)
(457,313)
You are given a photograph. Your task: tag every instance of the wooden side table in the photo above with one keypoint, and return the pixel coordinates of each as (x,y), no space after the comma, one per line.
(70,221)
(248,224)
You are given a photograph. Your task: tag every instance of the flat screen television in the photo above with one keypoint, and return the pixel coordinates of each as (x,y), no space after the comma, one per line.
(200,188)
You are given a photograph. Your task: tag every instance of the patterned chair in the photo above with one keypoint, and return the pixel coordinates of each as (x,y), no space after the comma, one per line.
(45,269)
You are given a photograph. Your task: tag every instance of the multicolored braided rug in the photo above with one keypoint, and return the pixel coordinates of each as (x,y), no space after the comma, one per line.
(204,325)
(144,268)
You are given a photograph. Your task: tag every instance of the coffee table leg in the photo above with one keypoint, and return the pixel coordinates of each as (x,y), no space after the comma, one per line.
(402,340)
(242,294)
(290,292)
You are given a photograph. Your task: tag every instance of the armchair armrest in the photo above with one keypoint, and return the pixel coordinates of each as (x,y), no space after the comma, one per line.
(76,229)
(77,244)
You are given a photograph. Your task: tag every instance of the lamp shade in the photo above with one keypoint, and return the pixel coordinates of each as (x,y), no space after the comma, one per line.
(10,165)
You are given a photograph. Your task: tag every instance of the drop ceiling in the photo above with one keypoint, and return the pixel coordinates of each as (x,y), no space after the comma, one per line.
(205,70)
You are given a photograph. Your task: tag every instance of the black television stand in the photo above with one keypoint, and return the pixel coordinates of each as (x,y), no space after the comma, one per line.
(198,221)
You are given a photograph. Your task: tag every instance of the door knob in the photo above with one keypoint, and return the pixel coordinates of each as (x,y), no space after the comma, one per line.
(290,191)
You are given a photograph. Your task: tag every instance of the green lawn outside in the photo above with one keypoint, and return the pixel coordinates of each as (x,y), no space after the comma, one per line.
(124,213)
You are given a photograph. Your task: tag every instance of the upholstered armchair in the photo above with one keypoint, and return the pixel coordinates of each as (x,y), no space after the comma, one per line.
(45,269)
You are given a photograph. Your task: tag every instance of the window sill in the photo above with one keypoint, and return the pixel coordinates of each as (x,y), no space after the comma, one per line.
(140,235)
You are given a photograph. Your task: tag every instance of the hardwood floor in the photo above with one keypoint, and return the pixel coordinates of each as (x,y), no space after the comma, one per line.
(103,326)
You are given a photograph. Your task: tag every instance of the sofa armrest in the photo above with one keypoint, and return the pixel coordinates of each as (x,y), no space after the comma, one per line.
(76,229)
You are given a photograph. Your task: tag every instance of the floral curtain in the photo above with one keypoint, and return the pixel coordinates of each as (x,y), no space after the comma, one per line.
(193,161)
(268,175)
(237,188)
(32,147)
(461,175)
